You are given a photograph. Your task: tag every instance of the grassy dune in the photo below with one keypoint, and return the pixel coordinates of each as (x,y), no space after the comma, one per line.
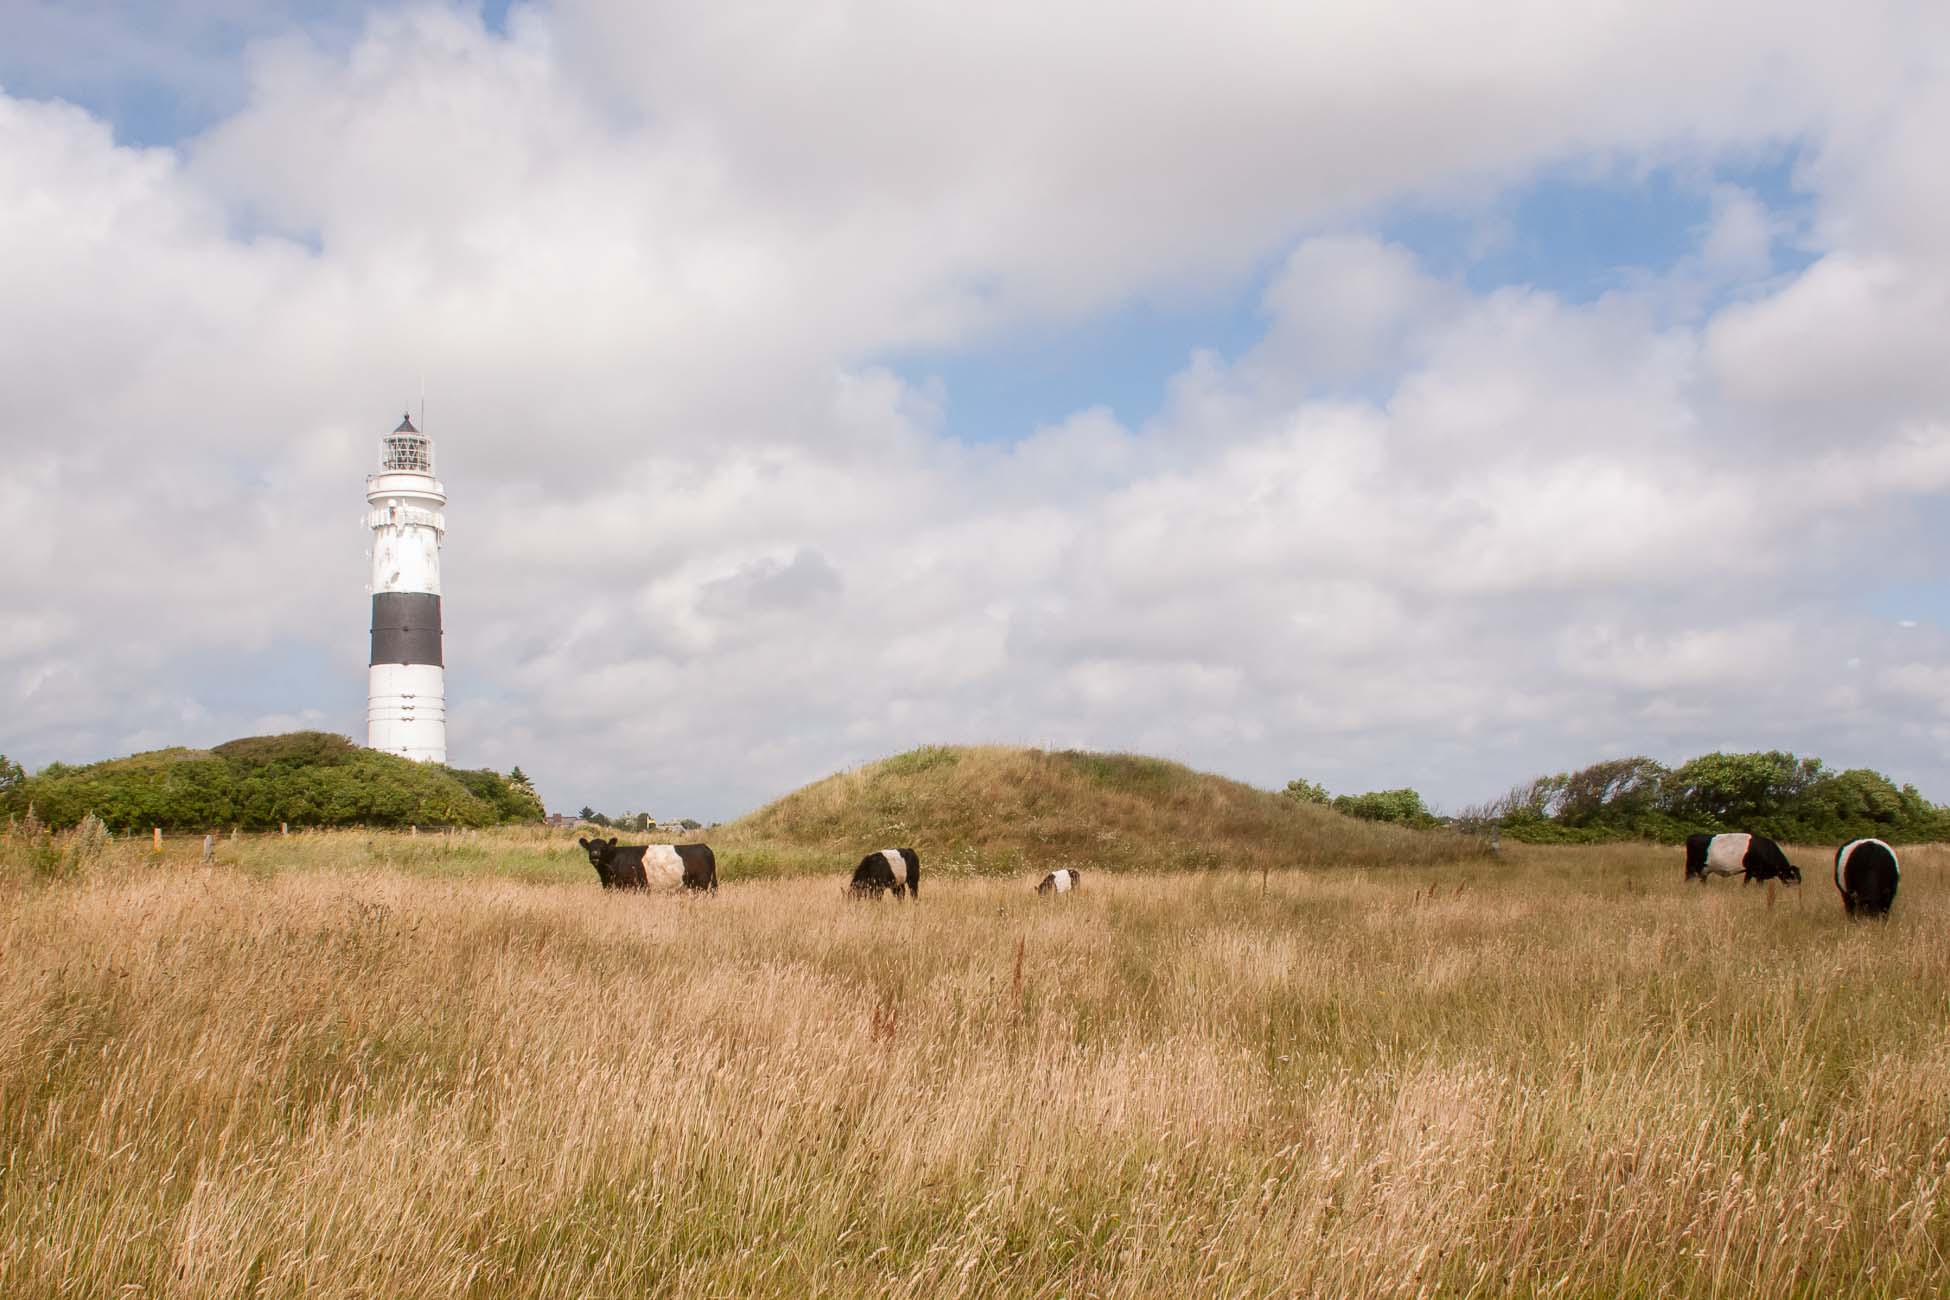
(985,810)
(433,1074)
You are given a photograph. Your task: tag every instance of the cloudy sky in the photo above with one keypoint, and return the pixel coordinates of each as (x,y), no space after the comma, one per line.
(1389,393)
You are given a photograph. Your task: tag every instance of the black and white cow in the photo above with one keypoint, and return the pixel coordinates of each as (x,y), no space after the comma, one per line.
(638,866)
(1753,856)
(1866,874)
(885,869)
(1061,881)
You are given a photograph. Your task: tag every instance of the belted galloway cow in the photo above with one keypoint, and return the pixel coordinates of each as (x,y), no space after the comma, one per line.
(638,866)
(898,870)
(1866,873)
(1754,857)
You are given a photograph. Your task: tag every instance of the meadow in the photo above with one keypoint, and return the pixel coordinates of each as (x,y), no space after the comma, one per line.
(401,1066)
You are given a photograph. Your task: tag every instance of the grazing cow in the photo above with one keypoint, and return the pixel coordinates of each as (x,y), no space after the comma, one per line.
(1866,873)
(635,866)
(1061,881)
(1753,856)
(1696,846)
(885,869)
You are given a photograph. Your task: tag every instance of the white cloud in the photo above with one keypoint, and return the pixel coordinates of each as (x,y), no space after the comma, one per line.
(1344,306)
(704,548)
(1928,683)
(1739,241)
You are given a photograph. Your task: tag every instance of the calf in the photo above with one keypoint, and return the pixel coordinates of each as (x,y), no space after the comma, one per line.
(1753,856)
(885,869)
(1866,874)
(1061,881)
(634,866)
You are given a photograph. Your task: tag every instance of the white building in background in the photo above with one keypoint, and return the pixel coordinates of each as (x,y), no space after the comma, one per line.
(406,687)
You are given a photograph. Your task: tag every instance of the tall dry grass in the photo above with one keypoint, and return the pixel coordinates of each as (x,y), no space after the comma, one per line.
(1567,1073)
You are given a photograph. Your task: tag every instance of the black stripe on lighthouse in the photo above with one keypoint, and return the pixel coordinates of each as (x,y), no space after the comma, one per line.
(406,628)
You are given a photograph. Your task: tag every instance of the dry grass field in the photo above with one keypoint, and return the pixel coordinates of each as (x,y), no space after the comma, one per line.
(387,1066)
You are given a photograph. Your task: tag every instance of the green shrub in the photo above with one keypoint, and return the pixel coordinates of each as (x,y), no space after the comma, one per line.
(1773,793)
(261,782)
(1403,807)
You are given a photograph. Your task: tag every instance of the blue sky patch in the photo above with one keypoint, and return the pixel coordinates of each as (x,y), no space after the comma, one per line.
(172,74)
(1580,235)
(1002,390)
(1569,232)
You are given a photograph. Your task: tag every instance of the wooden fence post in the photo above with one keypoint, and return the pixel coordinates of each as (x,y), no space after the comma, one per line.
(284,828)
(209,846)
(159,839)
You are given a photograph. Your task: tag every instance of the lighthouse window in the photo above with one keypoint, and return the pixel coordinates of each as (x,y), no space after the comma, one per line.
(408,453)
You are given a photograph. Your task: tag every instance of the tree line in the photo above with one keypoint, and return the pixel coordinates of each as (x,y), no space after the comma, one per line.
(306,778)
(1772,793)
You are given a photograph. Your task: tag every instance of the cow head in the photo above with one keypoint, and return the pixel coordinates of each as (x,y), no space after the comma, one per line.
(600,851)
(1791,874)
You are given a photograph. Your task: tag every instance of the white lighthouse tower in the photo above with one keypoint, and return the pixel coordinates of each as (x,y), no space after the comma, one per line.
(406,688)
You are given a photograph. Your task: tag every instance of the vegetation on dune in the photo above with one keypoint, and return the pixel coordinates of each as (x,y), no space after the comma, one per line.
(305,778)
(1403,807)
(1567,1073)
(1772,793)
(990,809)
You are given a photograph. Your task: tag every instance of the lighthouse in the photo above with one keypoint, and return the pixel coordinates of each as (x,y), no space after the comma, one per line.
(406,688)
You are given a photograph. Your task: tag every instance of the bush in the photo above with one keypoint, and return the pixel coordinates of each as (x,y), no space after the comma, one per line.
(1301,790)
(1403,807)
(1773,793)
(304,779)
